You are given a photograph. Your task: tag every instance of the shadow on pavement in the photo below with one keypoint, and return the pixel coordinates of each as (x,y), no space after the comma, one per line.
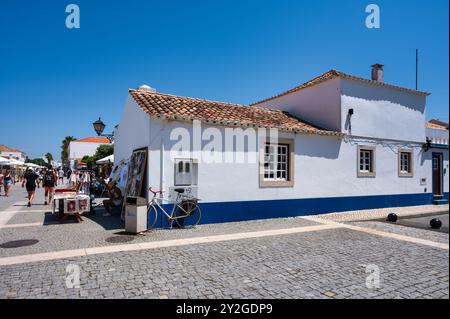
(422,221)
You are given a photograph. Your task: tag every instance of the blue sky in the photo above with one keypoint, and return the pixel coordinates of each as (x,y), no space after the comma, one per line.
(55,81)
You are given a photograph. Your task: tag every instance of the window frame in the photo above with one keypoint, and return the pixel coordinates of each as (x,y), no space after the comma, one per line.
(410,172)
(372,172)
(191,163)
(290,164)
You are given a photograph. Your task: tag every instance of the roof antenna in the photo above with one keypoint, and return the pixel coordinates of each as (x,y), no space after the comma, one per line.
(417,69)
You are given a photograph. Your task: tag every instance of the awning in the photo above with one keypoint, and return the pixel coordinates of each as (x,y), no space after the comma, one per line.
(14,162)
(106,160)
(4,161)
(31,165)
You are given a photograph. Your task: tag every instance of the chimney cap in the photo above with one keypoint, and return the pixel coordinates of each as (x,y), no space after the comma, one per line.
(145,87)
(377,65)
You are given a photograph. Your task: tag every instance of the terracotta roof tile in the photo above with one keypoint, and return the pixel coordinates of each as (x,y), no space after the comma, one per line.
(96,139)
(4,148)
(436,124)
(220,113)
(338,74)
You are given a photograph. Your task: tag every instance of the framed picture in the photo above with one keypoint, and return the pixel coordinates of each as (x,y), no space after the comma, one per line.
(71,206)
(136,172)
(83,205)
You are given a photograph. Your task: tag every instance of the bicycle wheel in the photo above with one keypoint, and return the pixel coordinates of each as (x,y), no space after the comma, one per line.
(189,216)
(152,216)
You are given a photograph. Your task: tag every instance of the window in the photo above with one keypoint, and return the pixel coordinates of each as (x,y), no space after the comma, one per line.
(405,163)
(276,162)
(185,172)
(276,168)
(366,161)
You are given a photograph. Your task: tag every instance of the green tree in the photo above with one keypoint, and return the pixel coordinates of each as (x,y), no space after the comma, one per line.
(103,151)
(89,160)
(65,148)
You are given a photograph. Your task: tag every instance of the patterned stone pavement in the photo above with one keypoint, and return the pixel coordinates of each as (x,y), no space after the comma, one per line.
(327,263)
(324,264)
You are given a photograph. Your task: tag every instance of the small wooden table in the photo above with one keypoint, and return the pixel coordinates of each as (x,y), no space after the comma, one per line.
(61,198)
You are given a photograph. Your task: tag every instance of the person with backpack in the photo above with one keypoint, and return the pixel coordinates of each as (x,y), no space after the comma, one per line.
(49,182)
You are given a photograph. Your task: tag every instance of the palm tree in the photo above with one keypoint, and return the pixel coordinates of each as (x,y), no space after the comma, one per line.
(49,158)
(65,148)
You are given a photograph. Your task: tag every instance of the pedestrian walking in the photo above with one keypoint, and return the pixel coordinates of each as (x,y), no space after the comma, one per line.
(49,182)
(30,181)
(40,174)
(1,181)
(7,182)
(61,176)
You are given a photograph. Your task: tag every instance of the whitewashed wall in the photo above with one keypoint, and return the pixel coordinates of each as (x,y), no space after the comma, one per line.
(383,112)
(319,104)
(133,131)
(77,150)
(324,167)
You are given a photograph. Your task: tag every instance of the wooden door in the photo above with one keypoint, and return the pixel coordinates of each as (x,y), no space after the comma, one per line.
(437,174)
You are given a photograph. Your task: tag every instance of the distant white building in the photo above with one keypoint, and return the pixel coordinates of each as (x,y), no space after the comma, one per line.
(344,143)
(85,147)
(16,154)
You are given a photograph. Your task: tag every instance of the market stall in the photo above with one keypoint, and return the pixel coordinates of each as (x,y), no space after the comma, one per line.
(76,200)
(105,165)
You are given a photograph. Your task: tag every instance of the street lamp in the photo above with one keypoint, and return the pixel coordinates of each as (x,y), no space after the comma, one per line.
(99,126)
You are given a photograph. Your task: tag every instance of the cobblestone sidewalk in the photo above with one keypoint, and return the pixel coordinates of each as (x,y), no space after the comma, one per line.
(370,214)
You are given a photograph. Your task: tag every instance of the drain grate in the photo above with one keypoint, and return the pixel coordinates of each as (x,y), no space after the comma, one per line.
(19,243)
(119,239)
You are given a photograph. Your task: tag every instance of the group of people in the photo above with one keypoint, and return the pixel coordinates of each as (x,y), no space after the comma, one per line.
(49,179)
(81,180)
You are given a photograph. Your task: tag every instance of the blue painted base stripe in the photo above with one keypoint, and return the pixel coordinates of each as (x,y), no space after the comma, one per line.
(250,210)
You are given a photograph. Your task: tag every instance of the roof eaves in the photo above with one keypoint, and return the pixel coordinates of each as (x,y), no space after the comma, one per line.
(224,123)
(333,74)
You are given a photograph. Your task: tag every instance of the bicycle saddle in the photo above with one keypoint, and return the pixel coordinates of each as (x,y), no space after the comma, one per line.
(179,190)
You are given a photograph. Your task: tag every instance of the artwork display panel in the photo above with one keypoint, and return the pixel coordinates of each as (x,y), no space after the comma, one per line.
(136,172)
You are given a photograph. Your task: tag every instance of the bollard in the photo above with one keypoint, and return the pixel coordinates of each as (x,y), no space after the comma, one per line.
(392,217)
(435,223)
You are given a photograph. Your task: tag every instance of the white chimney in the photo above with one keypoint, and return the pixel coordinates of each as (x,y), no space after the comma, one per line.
(377,73)
(145,87)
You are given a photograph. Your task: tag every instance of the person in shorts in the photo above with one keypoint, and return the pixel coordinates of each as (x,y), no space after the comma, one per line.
(49,182)
(29,180)
(1,182)
(7,182)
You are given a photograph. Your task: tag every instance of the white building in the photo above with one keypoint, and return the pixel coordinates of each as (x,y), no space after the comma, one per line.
(16,154)
(344,143)
(85,147)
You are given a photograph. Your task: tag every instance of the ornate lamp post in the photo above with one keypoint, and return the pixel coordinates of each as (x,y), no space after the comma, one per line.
(99,126)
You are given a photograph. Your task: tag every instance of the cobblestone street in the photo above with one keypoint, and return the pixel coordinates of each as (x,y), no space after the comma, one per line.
(280,258)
